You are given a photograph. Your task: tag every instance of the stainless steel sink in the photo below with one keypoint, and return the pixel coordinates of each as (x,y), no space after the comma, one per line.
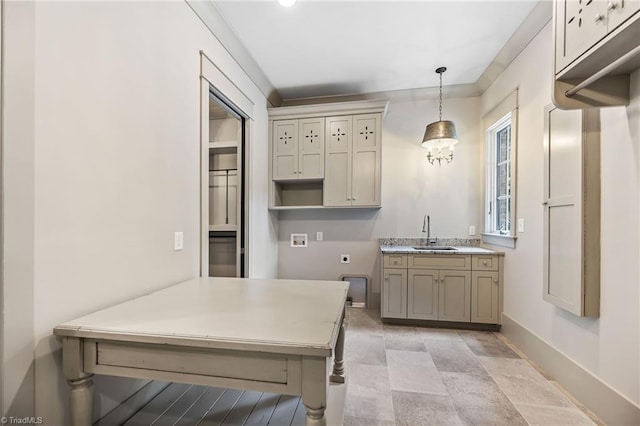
(435,248)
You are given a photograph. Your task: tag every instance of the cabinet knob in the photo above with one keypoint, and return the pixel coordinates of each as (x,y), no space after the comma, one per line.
(495,281)
(599,17)
(485,263)
(353,198)
(612,6)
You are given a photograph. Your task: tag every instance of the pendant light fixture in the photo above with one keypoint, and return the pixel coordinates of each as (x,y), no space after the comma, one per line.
(440,136)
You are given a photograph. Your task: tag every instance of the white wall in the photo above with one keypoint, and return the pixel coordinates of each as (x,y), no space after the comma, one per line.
(608,347)
(101,167)
(411,188)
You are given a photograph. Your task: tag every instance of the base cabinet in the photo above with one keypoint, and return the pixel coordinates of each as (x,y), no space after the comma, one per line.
(394,288)
(468,291)
(438,295)
(485,296)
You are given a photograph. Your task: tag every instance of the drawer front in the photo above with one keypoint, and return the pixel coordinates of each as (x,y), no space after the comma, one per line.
(485,262)
(448,261)
(395,261)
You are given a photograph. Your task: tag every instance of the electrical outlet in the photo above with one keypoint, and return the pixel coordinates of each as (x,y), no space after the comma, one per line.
(520,225)
(178,241)
(472,230)
(345,258)
(318,236)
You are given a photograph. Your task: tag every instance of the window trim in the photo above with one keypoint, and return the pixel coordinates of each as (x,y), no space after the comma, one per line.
(493,121)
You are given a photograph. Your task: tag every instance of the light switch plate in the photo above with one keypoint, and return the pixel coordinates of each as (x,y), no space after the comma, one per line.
(520,225)
(178,241)
(472,230)
(318,236)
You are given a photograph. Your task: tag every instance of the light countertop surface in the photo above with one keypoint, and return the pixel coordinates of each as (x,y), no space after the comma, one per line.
(458,250)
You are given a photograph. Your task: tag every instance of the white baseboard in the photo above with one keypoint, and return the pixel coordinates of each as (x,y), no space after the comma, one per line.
(609,405)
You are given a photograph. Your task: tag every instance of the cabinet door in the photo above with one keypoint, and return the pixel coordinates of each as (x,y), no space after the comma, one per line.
(338,161)
(394,293)
(454,296)
(571,221)
(311,148)
(285,149)
(485,289)
(422,297)
(366,160)
(580,24)
(619,11)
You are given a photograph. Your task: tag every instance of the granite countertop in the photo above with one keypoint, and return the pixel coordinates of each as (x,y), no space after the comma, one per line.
(461,245)
(458,250)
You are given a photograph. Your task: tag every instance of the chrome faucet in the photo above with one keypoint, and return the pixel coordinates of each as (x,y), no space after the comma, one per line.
(426,227)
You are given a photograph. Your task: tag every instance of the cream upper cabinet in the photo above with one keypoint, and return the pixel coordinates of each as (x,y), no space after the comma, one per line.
(353,163)
(298,149)
(619,11)
(339,160)
(590,36)
(326,155)
(580,24)
(583,24)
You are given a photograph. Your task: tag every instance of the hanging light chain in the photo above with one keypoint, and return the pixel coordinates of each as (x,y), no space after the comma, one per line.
(440,97)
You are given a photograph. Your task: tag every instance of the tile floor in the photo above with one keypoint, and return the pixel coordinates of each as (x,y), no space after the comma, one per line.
(414,376)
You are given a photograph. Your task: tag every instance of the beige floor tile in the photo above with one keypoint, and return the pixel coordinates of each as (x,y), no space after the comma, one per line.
(368,379)
(453,356)
(522,383)
(485,343)
(377,406)
(553,416)
(413,409)
(414,372)
(430,333)
(402,338)
(362,348)
(363,421)
(479,401)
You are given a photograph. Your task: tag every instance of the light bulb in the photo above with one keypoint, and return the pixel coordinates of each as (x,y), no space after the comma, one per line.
(286,3)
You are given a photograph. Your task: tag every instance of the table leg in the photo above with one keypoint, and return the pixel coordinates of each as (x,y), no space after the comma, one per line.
(338,363)
(315,388)
(81,399)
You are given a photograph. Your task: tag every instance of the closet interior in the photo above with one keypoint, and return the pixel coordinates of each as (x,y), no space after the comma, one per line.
(226,195)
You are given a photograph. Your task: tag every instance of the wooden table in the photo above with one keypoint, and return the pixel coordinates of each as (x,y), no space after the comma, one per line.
(266,335)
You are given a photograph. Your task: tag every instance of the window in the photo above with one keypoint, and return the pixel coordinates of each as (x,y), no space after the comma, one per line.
(500,130)
(499,177)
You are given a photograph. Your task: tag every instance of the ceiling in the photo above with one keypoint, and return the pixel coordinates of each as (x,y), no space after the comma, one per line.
(328,48)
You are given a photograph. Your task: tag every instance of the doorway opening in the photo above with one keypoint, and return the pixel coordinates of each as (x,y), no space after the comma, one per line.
(226,198)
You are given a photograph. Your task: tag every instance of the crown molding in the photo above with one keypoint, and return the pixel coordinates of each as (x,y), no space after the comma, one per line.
(207,12)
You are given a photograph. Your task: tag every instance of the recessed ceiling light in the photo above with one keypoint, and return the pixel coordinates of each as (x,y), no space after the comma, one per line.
(286,3)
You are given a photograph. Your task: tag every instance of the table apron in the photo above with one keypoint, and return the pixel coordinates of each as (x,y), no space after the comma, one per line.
(265,372)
